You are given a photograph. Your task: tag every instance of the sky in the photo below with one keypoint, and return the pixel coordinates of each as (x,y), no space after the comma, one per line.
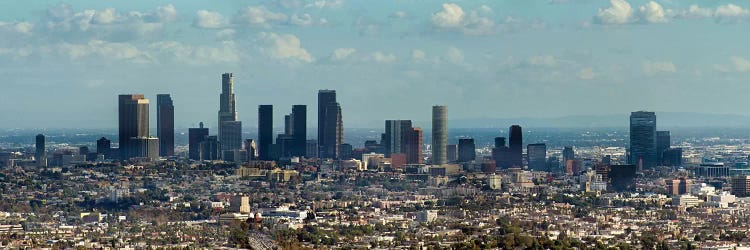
(62,64)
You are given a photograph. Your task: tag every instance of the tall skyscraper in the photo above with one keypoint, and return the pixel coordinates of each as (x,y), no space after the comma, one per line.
(515,146)
(537,156)
(210,148)
(467,151)
(165,124)
(330,124)
(230,130)
(663,142)
(642,151)
(195,137)
(501,153)
(231,135)
(104,147)
(439,135)
(133,122)
(568,154)
(413,146)
(395,136)
(265,131)
(41,150)
(252,149)
(299,130)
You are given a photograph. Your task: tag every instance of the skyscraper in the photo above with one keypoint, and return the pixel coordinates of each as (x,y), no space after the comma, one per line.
(330,124)
(210,148)
(501,153)
(230,130)
(104,147)
(231,135)
(133,122)
(413,146)
(537,156)
(165,124)
(466,150)
(195,137)
(299,130)
(515,146)
(395,136)
(568,154)
(41,150)
(265,131)
(663,142)
(642,151)
(439,134)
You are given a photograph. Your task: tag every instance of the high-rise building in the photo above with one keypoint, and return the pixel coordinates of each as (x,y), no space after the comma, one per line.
(515,146)
(133,122)
(395,136)
(439,135)
(501,154)
(299,130)
(311,149)
(104,147)
(663,142)
(537,156)
(678,186)
(265,131)
(622,177)
(451,153)
(568,153)
(288,127)
(413,146)
(499,142)
(672,157)
(231,135)
(230,130)
(741,185)
(466,150)
(41,150)
(145,148)
(195,137)
(210,149)
(165,124)
(642,152)
(252,149)
(329,113)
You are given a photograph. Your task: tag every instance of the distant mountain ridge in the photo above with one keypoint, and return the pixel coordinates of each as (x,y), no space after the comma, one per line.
(663,120)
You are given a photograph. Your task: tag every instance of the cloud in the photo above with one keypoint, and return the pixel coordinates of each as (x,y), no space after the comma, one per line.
(341,54)
(305,19)
(653,68)
(454,55)
(103,50)
(17,27)
(652,12)
(259,16)
(285,47)
(209,20)
(547,61)
(619,12)
(381,57)
(418,55)
(175,51)
(586,73)
(453,17)
(321,4)
(737,64)
(398,15)
(166,13)
(730,12)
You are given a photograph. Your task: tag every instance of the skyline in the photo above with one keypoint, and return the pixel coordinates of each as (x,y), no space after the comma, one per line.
(494,59)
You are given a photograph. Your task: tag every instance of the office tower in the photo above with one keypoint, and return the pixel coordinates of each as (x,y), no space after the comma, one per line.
(333,132)
(299,130)
(395,135)
(642,152)
(84,151)
(537,156)
(515,145)
(439,135)
(741,185)
(678,186)
(227,108)
(345,151)
(672,157)
(210,148)
(145,148)
(622,177)
(466,150)
(252,149)
(133,122)
(451,153)
(240,204)
(568,153)
(104,147)
(663,142)
(231,135)
(311,149)
(195,137)
(499,142)
(325,97)
(265,131)
(413,146)
(288,129)
(285,145)
(41,150)
(165,124)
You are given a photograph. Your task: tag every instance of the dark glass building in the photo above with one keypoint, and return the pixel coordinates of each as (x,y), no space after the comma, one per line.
(537,156)
(133,122)
(165,124)
(663,142)
(265,131)
(515,146)
(643,152)
(104,147)
(299,130)
(195,137)
(622,177)
(41,150)
(467,151)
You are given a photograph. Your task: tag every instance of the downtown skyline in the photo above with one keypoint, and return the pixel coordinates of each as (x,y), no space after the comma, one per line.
(537,59)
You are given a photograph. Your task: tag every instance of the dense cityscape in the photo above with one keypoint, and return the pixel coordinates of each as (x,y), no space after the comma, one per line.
(605,190)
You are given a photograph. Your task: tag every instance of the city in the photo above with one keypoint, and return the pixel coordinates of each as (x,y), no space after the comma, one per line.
(340,124)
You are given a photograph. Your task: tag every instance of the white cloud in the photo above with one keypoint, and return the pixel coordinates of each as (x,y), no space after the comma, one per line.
(398,14)
(453,17)
(17,27)
(320,4)
(652,12)
(107,16)
(228,52)
(730,12)
(341,54)
(653,68)
(210,20)
(418,55)
(586,73)
(381,57)
(546,60)
(305,19)
(103,50)
(259,16)
(166,13)
(737,64)
(454,55)
(619,12)
(226,34)
(285,46)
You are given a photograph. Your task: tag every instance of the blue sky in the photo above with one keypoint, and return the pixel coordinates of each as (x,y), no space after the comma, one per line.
(63,63)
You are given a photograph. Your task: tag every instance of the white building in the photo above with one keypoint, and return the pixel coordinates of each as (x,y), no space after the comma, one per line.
(686,200)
